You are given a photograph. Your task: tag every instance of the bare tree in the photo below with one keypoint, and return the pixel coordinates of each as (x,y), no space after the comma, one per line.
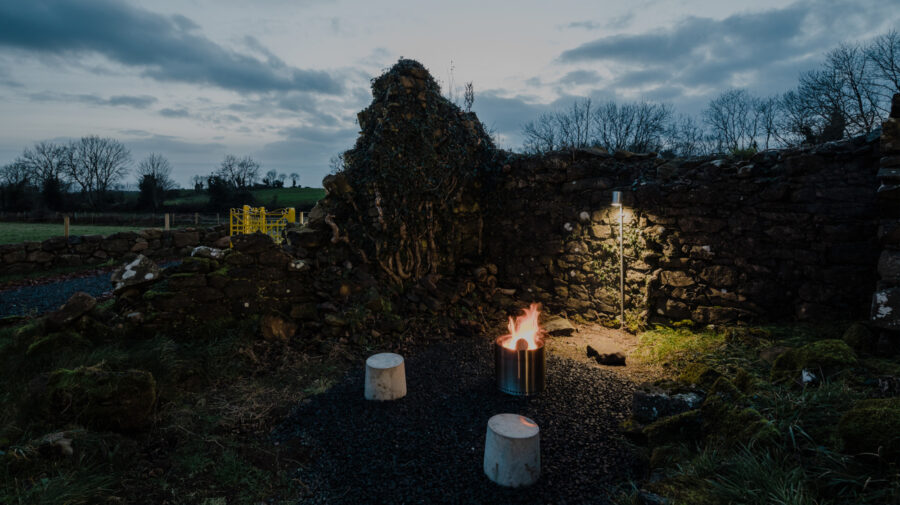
(733,119)
(198,181)
(768,112)
(15,174)
(157,166)
(47,162)
(281,178)
(863,107)
(540,135)
(240,173)
(294,178)
(96,164)
(469,96)
(797,121)
(336,163)
(636,126)
(154,180)
(686,137)
(574,125)
(269,179)
(884,53)
(567,129)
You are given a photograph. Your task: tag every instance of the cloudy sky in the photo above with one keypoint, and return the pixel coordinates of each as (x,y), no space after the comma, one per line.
(282,80)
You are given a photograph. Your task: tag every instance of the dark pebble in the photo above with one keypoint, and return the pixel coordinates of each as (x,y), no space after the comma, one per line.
(428,447)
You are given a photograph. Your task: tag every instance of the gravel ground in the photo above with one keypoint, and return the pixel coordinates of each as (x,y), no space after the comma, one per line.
(44,297)
(428,446)
(40,298)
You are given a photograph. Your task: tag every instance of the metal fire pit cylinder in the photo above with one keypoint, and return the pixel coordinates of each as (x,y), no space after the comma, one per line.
(519,372)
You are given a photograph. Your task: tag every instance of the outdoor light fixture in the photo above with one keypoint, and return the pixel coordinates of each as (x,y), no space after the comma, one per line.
(617,202)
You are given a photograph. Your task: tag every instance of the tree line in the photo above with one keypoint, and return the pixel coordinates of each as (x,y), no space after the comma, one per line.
(84,174)
(848,95)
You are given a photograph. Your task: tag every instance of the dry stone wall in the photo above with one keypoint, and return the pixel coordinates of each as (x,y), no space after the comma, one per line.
(784,234)
(886,300)
(93,249)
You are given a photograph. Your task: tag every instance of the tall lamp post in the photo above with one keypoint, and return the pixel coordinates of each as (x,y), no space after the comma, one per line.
(617,202)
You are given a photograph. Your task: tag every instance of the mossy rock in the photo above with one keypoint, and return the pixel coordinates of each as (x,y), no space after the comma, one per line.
(684,489)
(152,295)
(747,336)
(744,381)
(55,342)
(699,374)
(879,403)
(633,430)
(829,355)
(880,366)
(727,418)
(665,455)
(97,398)
(197,265)
(33,329)
(859,338)
(683,427)
(871,430)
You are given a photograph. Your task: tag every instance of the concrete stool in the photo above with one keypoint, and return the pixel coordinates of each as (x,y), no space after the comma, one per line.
(385,377)
(512,450)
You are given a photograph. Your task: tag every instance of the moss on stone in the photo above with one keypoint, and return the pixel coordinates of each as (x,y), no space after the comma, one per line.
(859,338)
(871,430)
(727,418)
(666,455)
(829,355)
(745,382)
(723,389)
(152,295)
(56,342)
(683,489)
(699,374)
(98,398)
(678,428)
(879,403)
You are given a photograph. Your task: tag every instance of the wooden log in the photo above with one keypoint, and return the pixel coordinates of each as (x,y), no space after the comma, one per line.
(385,377)
(512,450)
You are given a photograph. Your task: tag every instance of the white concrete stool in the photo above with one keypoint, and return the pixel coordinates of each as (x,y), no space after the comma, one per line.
(512,450)
(385,377)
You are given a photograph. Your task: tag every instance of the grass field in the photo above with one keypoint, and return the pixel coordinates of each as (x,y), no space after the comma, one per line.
(12,233)
(273,198)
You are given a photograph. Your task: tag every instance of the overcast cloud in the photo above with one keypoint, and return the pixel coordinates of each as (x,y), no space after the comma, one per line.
(282,81)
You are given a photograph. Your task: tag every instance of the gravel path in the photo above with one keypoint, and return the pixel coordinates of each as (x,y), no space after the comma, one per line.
(50,295)
(427,447)
(44,297)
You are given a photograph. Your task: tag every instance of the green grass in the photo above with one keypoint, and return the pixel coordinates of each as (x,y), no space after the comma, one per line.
(13,233)
(288,197)
(664,344)
(273,198)
(805,464)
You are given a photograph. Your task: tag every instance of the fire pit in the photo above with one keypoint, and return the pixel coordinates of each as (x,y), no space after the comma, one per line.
(519,359)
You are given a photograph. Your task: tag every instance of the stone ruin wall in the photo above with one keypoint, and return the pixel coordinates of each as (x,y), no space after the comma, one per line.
(785,234)
(77,250)
(886,300)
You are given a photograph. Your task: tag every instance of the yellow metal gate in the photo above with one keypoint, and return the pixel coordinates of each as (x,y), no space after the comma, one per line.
(257,219)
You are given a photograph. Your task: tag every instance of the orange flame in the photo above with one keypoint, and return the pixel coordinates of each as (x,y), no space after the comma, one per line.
(524,331)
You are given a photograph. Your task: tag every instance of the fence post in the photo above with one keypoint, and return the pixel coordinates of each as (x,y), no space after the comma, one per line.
(167,221)
(217,219)
(66,226)
(196,218)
